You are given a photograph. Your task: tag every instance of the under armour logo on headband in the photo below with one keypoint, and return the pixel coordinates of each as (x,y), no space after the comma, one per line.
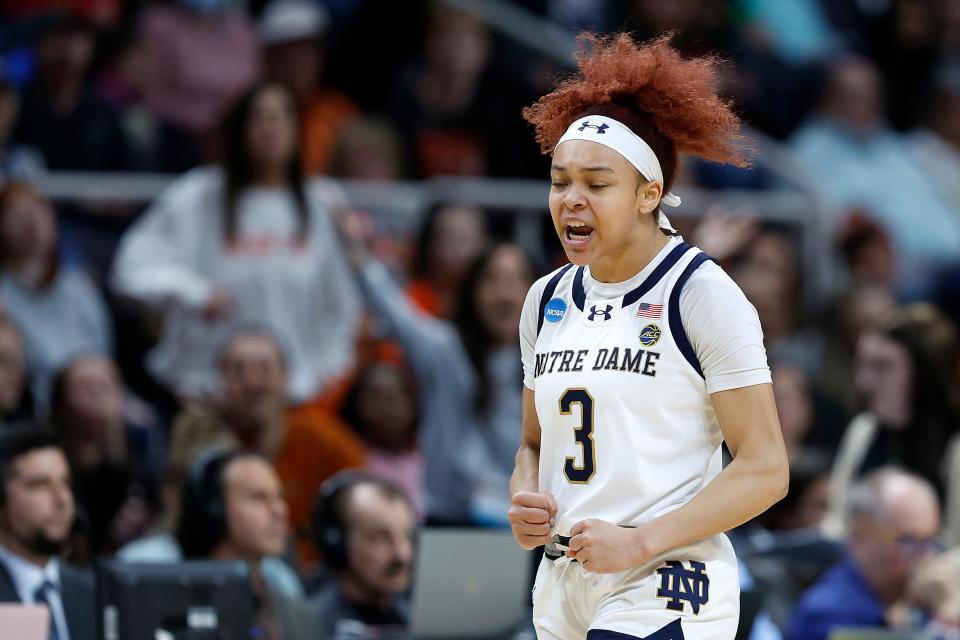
(601,128)
(624,141)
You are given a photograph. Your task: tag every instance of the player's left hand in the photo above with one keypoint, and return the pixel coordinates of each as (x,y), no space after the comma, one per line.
(602,547)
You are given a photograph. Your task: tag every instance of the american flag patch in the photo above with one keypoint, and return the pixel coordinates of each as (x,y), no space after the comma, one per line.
(647,310)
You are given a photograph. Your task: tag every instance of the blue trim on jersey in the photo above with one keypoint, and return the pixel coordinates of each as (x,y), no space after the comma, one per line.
(676,323)
(578,292)
(580,295)
(672,258)
(671,631)
(548,294)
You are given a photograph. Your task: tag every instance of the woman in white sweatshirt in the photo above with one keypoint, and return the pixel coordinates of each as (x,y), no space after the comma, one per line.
(247,242)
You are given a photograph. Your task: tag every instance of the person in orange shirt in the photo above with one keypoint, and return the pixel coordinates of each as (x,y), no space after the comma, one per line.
(450,239)
(292,35)
(305,444)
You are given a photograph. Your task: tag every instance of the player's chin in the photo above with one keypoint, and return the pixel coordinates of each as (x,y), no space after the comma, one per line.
(578,255)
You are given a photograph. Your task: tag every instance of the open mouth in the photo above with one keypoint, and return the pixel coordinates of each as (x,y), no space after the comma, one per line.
(578,232)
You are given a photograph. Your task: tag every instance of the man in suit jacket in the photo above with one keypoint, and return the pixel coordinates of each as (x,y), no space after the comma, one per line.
(36,515)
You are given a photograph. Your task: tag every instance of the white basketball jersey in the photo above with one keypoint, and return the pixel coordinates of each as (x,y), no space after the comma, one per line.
(628,431)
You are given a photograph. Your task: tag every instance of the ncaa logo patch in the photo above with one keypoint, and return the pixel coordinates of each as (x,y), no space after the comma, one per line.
(650,335)
(554,310)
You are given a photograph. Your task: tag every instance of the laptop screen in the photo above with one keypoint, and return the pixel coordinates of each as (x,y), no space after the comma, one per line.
(469,582)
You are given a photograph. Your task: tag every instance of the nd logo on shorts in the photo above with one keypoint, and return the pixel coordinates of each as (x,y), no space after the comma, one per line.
(680,585)
(650,335)
(554,310)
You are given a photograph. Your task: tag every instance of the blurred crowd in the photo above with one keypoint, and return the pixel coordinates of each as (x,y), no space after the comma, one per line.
(247,368)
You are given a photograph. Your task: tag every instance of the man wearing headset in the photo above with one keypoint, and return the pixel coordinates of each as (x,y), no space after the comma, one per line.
(233,509)
(363,527)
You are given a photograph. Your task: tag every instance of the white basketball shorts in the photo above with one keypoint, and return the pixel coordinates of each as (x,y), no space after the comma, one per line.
(691,593)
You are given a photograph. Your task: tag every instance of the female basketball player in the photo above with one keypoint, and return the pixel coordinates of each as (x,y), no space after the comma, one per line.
(640,358)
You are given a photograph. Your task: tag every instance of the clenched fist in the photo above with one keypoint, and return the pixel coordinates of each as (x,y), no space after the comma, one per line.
(531,515)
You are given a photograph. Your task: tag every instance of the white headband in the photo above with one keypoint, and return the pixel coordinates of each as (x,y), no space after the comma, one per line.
(616,135)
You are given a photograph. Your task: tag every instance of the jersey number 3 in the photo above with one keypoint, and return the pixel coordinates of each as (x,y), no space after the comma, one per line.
(583,434)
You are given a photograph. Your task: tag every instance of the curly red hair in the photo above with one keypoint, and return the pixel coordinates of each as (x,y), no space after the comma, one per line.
(669,101)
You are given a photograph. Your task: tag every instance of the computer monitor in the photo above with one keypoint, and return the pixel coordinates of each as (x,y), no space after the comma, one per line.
(469,583)
(194,600)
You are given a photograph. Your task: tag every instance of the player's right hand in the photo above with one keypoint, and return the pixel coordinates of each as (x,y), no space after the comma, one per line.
(532,514)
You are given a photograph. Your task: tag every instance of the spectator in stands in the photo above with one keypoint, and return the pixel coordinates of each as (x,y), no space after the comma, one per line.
(894,522)
(121,81)
(249,242)
(61,114)
(382,408)
(450,239)
(364,528)
(456,113)
(369,150)
(97,419)
(859,308)
(233,509)
(935,591)
(14,396)
(16,160)
(855,159)
(200,55)
(111,456)
(866,250)
(160,545)
(59,311)
(305,445)
(698,23)
(36,514)
(935,147)
(904,44)
(808,418)
(906,372)
(768,271)
(467,376)
(104,14)
(796,32)
(805,505)
(293,32)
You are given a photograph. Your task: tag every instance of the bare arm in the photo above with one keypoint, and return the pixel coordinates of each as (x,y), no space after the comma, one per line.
(532,512)
(526,472)
(748,486)
(756,478)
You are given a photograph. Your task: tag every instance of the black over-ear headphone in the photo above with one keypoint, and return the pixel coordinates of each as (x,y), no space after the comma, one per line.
(203,519)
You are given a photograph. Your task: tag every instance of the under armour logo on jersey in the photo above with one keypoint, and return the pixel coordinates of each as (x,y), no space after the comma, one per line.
(680,585)
(601,128)
(606,313)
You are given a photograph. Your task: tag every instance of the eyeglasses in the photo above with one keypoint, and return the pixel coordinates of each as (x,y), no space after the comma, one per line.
(908,545)
(912,546)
